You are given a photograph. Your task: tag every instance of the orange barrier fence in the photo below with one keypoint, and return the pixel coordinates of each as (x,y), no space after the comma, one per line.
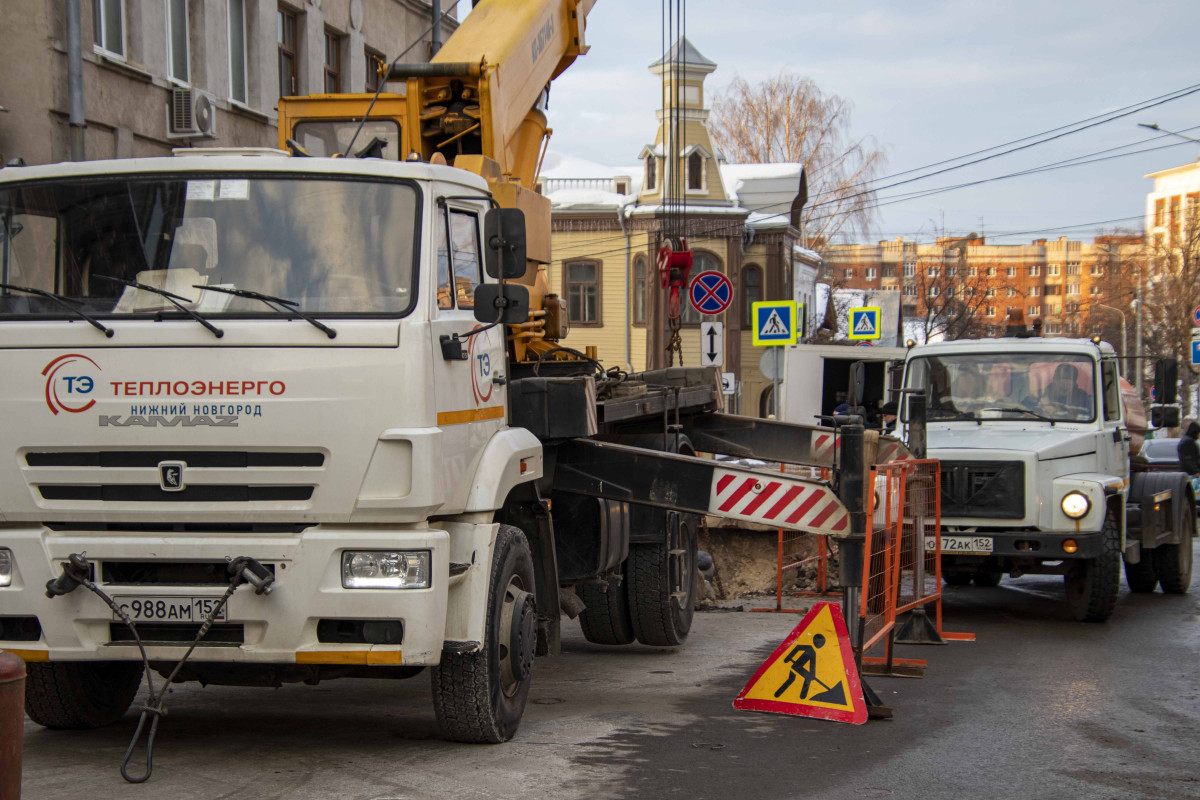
(877,605)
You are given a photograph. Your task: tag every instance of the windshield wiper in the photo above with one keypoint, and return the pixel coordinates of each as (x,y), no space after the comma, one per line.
(278,303)
(957,416)
(62,301)
(1016,410)
(172,298)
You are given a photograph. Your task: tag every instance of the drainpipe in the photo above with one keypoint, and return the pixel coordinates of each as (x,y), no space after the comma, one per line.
(436,41)
(628,295)
(75,80)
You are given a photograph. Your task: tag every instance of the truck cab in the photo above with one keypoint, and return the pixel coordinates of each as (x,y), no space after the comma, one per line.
(1033,439)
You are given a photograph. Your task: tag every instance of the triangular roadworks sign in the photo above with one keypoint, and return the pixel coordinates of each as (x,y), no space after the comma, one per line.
(812,674)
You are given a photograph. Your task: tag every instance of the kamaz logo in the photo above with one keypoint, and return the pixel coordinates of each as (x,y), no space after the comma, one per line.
(542,38)
(177,421)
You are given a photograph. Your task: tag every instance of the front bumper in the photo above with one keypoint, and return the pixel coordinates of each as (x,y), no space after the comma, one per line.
(1038,545)
(280,627)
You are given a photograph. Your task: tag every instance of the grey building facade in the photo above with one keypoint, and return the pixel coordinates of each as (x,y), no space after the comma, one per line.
(161,74)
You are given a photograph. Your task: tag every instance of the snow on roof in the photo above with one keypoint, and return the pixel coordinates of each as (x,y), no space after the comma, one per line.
(562,165)
(578,199)
(691,56)
(805,253)
(737,172)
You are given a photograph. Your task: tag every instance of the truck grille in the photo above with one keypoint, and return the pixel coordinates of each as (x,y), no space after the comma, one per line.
(207,476)
(987,489)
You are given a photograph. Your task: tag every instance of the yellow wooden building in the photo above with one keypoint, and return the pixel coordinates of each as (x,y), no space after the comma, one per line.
(740,220)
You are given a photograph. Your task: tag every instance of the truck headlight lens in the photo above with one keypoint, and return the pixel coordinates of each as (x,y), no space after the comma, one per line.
(385,569)
(6,566)
(1075,504)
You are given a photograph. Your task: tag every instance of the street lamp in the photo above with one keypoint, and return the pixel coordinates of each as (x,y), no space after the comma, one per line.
(1154,127)
(1124,339)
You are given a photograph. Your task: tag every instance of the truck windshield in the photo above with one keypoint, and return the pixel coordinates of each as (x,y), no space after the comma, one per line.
(333,246)
(1050,386)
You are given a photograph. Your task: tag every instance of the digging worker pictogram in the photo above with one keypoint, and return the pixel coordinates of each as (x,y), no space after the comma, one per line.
(805,666)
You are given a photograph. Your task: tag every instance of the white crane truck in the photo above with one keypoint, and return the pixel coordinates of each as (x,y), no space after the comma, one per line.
(339,380)
(1033,436)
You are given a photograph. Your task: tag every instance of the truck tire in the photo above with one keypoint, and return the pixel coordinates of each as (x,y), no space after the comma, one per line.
(662,584)
(80,694)
(480,696)
(1093,584)
(1173,562)
(957,578)
(606,619)
(1141,576)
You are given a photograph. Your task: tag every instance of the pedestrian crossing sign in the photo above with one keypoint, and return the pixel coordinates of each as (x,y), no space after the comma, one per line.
(864,323)
(812,674)
(774,322)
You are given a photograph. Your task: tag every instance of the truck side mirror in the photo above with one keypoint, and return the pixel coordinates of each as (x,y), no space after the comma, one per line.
(1166,377)
(504,243)
(501,302)
(1164,416)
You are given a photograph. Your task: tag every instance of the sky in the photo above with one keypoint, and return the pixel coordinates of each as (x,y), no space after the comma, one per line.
(928,81)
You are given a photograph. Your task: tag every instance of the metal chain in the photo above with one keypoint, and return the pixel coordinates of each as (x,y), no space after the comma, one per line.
(675,343)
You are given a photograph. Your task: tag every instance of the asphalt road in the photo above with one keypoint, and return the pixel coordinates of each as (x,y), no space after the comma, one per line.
(1039,707)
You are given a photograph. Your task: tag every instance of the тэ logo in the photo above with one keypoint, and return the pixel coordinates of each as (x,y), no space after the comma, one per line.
(69,390)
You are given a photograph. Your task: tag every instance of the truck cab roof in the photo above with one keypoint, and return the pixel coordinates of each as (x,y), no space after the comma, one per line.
(238,161)
(1007,343)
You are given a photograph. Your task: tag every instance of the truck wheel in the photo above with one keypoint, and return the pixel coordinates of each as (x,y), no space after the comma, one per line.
(662,584)
(1173,562)
(1141,576)
(80,694)
(1093,584)
(606,619)
(987,579)
(480,696)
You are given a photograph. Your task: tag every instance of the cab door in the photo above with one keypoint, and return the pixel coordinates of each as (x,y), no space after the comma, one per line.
(1114,439)
(469,388)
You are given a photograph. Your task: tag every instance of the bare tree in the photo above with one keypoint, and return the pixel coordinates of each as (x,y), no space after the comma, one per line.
(1118,264)
(1171,292)
(789,119)
(949,298)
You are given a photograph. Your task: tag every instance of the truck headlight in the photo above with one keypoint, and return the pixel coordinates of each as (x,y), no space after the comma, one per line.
(385,569)
(6,566)
(1075,504)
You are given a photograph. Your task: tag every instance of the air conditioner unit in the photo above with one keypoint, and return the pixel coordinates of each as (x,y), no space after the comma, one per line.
(191,115)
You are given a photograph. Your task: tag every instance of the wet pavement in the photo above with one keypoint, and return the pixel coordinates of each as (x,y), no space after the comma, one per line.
(1040,706)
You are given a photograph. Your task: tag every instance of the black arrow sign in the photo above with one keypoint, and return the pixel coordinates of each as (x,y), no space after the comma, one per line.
(712,343)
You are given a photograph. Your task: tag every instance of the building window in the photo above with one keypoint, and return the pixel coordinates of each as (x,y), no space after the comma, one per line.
(889,271)
(639,290)
(108,25)
(991,272)
(1053,328)
(1035,270)
(1073,269)
(695,168)
(931,272)
(1011,272)
(333,60)
(374,63)
(1072,288)
(1034,290)
(848,273)
(1160,207)
(1071,308)
(285,36)
(1093,290)
(583,291)
(651,173)
(910,269)
(991,292)
(752,289)
(1052,309)
(177,40)
(933,291)
(1011,292)
(1052,270)
(1096,269)
(991,311)
(870,273)
(972,272)
(701,262)
(237,50)
(910,291)
(1035,311)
